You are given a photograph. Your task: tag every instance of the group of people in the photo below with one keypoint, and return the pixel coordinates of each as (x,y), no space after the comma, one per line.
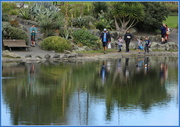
(165,31)
(106,39)
(143,45)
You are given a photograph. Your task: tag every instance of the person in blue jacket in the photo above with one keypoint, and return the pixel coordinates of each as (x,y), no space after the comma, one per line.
(147,45)
(105,38)
(163,32)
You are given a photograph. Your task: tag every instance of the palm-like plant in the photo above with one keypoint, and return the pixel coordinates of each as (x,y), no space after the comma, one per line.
(127,14)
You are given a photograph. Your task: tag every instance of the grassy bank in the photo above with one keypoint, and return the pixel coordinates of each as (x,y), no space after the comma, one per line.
(172,21)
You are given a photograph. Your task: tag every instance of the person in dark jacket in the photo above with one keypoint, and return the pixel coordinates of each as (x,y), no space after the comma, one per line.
(105,38)
(163,32)
(127,39)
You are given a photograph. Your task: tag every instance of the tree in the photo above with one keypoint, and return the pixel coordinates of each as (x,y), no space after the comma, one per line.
(155,14)
(99,7)
(126,14)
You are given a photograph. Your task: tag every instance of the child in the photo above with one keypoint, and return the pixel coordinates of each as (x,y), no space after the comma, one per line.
(147,44)
(140,45)
(33,38)
(120,40)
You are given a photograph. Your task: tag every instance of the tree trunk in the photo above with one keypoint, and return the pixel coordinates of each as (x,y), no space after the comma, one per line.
(116,24)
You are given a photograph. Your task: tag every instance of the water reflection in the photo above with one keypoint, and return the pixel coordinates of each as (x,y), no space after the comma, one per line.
(73,94)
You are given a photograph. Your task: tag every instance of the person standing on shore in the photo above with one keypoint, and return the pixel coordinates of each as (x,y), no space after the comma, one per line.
(127,39)
(147,44)
(140,45)
(33,31)
(163,33)
(105,38)
(167,33)
(120,41)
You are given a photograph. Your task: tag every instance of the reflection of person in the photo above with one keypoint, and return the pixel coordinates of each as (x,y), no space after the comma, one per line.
(163,72)
(139,64)
(105,38)
(31,76)
(146,65)
(127,39)
(126,69)
(103,72)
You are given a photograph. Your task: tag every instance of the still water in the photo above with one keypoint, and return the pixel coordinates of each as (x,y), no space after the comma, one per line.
(127,91)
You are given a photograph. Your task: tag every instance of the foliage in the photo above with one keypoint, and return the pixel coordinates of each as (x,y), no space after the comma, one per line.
(103,21)
(49,24)
(99,7)
(55,43)
(42,8)
(24,13)
(7,7)
(10,32)
(127,14)
(173,8)
(85,37)
(5,17)
(14,23)
(155,14)
(79,22)
(13,12)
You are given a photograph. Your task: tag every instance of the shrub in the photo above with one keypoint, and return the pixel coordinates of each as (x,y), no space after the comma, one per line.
(14,23)
(79,22)
(14,12)
(5,17)
(85,37)
(24,13)
(10,32)
(55,43)
(8,6)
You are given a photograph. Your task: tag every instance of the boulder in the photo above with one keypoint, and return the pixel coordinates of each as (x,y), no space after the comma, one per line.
(28,56)
(47,56)
(67,52)
(56,56)
(6,53)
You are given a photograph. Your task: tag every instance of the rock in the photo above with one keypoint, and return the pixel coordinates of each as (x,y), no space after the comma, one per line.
(72,55)
(56,56)
(80,54)
(28,56)
(38,57)
(67,52)
(47,56)
(6,53)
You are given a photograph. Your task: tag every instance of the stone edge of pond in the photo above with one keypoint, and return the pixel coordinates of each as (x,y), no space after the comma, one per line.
(91,57)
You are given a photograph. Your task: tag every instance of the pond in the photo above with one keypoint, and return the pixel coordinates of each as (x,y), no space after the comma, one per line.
(120,92)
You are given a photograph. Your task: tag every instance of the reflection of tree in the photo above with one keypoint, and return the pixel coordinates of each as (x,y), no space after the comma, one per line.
(46,103)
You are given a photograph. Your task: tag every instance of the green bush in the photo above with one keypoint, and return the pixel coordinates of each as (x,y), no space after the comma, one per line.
(55,43)
(14,12)
(79,22)
(5,17)
(7,7)
(10,32)
(85,37)
(24,13)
